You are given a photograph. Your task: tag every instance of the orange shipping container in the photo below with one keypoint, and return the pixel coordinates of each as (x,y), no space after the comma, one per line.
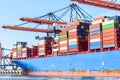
(100,18)
(95,25)
(108,34)
(42,51)
(108,38)
(95,36)
(112,41)
(108,30)
(63,39)
(63,45)
(73,37)
(74,25)
(62,51)
(73,33)
(63,32)
(41,46)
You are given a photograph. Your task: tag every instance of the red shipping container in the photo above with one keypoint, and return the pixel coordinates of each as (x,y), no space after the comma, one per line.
(34,51)
(14,50)
(73,50)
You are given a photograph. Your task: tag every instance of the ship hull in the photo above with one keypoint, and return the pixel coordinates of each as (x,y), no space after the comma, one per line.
(89,64)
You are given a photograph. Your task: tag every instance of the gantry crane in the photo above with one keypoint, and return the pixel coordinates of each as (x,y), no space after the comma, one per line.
(51,18)
(5,59)
(110,4)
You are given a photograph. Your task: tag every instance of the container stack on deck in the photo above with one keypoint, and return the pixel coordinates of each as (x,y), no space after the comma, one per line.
(56,45)
(17,49)
(26,52)
(20,46)
(14,51)
(34,52)
(111,32)
(95,37)
(102,35)
(45,46)
(78,37)
(63,41)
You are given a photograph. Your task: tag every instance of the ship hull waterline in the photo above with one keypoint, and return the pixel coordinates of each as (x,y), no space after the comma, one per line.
(90,64)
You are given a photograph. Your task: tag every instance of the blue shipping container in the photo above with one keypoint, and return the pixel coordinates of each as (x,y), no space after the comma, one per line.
(95,32)
(94,29)
(73,46)
(95,47)
(108,45)
(94,43)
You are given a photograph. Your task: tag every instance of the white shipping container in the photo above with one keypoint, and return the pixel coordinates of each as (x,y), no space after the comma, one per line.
(72,30)
(41,53)
(14,54)
(24,54)
(97,22)
(63,48)
(71,40)
(95,40)
(41,48)
(55,49)
(24,49)
(109,22)
(56,39)
(41,41)
(63,42)
(72,43)
(19,45)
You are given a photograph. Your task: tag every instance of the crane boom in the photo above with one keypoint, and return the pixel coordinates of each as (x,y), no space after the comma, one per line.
(42,21)
(0,51)
(100,3)
(27,29)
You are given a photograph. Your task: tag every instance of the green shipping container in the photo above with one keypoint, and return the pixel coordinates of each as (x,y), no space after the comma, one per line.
(19,48)
(63,36)
(108,26)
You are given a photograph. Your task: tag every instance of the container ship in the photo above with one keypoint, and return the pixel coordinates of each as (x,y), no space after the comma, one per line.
(80,49)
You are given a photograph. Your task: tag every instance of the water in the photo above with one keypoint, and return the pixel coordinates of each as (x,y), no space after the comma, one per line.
(26,77)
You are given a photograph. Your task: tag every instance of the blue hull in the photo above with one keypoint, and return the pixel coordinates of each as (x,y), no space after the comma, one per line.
(92,61)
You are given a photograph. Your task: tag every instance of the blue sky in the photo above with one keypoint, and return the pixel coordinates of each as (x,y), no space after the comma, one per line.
(12,10)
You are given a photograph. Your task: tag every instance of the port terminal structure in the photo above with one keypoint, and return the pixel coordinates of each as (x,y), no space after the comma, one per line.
(5,60)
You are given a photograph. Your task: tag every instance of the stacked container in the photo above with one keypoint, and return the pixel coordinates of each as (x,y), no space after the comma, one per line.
(17,49)
(78,37)
(34,52)
(19,46)
(14,51)
(111,29)
(26,53)
(45,46)
(56,45)
(63,41)
(96,34)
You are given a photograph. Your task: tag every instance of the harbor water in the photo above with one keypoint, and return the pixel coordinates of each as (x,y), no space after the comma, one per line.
(28,77)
